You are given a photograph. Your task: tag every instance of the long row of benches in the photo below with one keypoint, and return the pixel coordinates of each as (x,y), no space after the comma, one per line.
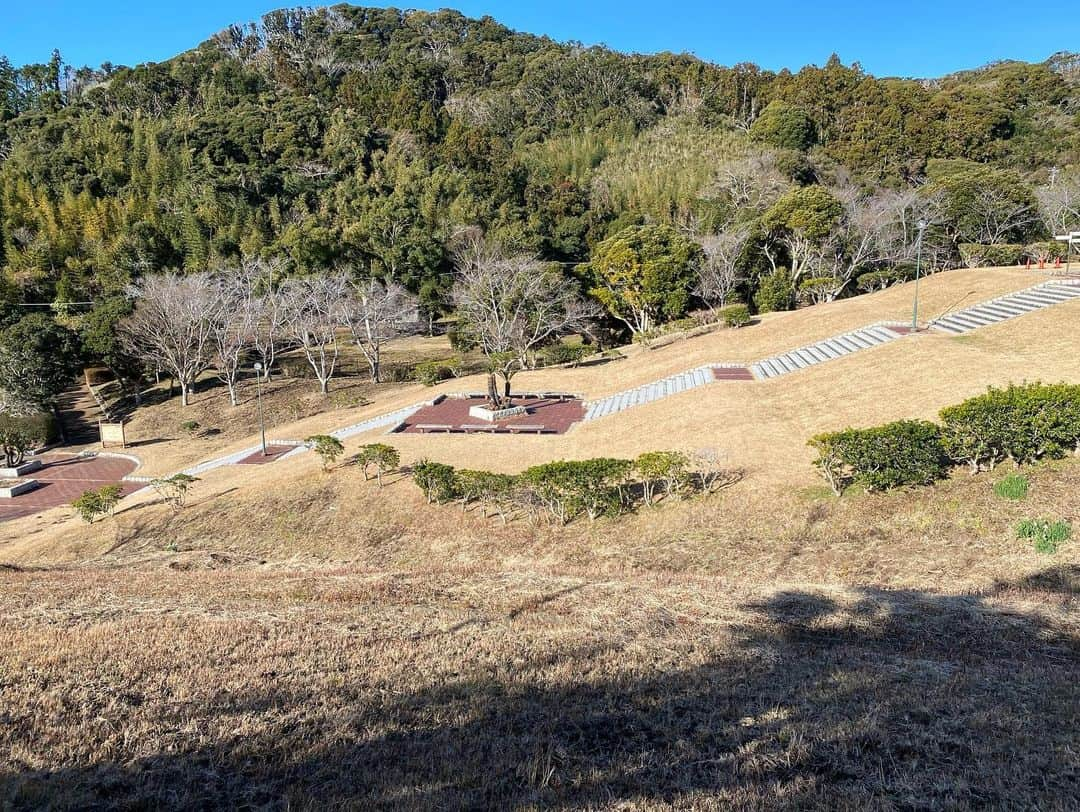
(471,428)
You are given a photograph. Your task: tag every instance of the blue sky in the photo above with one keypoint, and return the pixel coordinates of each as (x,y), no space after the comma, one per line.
(913,38)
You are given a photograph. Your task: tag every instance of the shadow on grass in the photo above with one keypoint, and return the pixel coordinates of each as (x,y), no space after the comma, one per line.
(879,699)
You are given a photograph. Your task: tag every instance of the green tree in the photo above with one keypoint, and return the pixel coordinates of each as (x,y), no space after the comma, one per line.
(785,126)
(38,359)
(644,275)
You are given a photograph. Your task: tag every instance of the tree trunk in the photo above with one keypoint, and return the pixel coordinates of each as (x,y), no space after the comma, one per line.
(493,391)
(324,385)
(183,393)
(232,393)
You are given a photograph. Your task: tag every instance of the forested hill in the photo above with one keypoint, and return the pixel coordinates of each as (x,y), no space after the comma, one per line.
(365,137)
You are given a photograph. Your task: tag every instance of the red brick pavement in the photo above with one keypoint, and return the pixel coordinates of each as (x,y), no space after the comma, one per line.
(732,374)
(64,478)
(273,451)
(555,416)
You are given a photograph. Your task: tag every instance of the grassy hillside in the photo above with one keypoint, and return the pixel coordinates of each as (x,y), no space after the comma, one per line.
(294,638)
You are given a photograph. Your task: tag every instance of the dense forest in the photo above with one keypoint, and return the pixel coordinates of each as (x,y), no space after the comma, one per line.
(366,139)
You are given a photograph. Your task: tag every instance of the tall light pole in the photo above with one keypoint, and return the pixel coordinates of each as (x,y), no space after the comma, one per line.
(258,389)
(921,226)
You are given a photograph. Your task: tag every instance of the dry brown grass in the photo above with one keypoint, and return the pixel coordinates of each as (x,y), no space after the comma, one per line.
(506,690)
(295,639)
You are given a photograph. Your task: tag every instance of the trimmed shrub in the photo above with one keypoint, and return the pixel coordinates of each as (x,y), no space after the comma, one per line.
(776,291)
(1046,251)
(907,452)
(1014,486)
(560,353)
(327,447)
(669,470)
(879,280)
(380,456)
(736,315)
(1021,422)
(436,480)
(568,488)
(1047,535)
(974,255)
(430,373)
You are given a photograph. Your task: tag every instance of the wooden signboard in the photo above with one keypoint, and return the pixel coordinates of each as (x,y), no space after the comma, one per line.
(112,433)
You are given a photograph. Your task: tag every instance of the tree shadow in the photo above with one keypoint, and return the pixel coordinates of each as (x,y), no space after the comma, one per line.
(865,699)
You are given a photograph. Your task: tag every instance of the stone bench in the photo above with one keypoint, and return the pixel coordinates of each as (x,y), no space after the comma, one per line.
(532,429)
(469,429)
(424,428)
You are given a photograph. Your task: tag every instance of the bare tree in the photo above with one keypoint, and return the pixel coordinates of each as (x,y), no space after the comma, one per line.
(876,230)
(376,313)
(720,274)
(267,303)
(232,326)
(1059,204)
(314,309)
(750,183)
(998,213)
(512,304)
(171,325)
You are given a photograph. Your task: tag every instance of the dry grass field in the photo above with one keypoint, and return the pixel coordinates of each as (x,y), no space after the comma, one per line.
(294,639)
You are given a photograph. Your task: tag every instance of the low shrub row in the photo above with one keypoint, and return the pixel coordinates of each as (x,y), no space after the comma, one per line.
(974,255)
(568,489)
(1022,423)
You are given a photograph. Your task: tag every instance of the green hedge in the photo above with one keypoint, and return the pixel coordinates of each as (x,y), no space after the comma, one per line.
(1022,423)
(974,255)
(567,489)
(907,452)
(1046,251)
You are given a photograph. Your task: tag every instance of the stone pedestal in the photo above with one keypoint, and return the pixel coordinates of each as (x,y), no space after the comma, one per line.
(20,470)
(10,488)
(493,415)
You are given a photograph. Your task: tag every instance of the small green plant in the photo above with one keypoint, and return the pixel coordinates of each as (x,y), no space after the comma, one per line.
(100,502)
(174,489)
(328,448)
(1047,535)
(1014,486)
(380,456)
(191,427)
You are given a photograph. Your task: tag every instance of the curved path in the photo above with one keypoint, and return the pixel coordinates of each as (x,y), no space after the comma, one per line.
(65,477)
(1015,304)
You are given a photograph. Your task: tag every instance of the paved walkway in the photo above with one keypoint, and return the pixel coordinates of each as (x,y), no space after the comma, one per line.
(65,477)
(1008,307)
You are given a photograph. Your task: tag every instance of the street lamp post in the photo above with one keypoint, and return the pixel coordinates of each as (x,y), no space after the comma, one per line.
(258,389)
(921,226)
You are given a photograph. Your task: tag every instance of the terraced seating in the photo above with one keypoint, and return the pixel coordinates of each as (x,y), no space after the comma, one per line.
(826,350)
(1007,307)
